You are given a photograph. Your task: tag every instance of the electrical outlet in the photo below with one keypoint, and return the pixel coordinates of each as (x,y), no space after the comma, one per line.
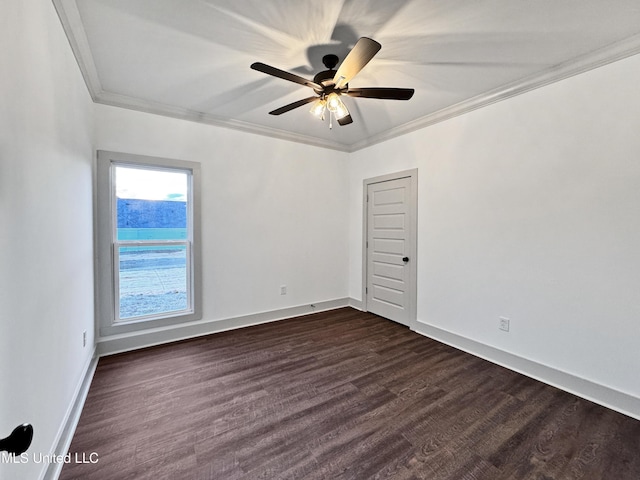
(84,338)
(504,324)
(283,289)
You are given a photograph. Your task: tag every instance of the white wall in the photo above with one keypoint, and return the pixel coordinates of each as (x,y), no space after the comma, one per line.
(46,234)
(273,214)
(273,211)
(529,209)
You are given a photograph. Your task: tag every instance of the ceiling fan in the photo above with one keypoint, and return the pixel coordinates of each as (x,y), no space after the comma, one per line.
(329,85)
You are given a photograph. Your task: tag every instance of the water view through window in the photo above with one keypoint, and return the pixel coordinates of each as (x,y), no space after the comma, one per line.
(151,248)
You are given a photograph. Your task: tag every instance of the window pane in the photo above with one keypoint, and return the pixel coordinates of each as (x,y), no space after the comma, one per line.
(151,204)
(148,248)
(153,280)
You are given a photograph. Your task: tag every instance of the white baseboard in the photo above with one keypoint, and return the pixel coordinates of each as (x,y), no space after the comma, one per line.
(614,399)
(357,304)
(70,422)
(132,341)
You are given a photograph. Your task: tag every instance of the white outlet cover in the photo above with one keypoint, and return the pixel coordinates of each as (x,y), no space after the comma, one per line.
(504,324)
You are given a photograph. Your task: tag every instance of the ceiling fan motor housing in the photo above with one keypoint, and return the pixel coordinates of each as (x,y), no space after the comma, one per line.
(325,78)
(330,61)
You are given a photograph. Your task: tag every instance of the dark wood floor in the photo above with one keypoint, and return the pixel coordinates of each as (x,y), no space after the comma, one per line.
(338,395)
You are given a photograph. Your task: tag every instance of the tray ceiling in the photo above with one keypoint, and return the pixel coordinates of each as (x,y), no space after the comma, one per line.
(190,58)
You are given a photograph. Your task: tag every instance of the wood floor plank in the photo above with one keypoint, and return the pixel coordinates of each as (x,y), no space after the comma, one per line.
(341,395)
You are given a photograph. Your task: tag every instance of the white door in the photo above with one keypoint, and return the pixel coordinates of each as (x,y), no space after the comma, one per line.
(390,246)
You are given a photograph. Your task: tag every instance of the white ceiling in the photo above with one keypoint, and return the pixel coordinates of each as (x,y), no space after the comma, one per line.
(190,58)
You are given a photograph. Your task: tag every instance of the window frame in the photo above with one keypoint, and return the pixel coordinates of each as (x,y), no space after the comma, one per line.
(107,244)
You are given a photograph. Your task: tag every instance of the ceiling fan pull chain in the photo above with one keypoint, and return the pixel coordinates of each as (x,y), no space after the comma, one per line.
(330,120)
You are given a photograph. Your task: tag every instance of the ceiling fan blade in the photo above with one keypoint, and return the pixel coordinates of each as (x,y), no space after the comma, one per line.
(291,106)
(345,120)
(384,93)
(276,72)
(363,51)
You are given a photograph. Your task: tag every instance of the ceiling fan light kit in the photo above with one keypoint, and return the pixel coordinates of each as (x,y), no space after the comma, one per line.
(329,85)
(335,106)
(317,109)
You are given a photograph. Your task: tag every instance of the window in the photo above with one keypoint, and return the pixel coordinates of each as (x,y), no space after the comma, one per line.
(148,228)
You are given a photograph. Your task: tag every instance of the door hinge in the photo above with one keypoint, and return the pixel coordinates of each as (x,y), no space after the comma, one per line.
(366,289)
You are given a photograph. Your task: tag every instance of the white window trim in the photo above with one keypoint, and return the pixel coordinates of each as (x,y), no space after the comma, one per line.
(106,244)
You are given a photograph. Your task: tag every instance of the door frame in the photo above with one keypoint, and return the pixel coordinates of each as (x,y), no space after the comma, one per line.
(412,254)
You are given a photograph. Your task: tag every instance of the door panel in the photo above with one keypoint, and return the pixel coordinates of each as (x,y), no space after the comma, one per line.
(389,296)
(393,246)
(388,221)
(389,241)
(386,270)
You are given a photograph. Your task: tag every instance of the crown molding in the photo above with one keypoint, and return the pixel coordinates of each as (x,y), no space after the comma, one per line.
(590,61)
(132,103)
(72,22)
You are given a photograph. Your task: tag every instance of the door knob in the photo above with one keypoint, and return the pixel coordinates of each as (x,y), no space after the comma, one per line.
(19,440)
(405,259)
